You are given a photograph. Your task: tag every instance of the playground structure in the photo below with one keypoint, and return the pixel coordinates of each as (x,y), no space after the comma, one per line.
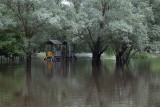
(59,51)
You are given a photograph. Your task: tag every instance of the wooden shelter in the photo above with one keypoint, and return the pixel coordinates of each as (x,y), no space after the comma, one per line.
(69,50)
(56,50)
(53,50)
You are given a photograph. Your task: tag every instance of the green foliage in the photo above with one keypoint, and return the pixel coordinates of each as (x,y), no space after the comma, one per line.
(154,26)
(141,55)
(155,64)
(11,44)
(118,24)
(110,51)
(82,47)
(113,26)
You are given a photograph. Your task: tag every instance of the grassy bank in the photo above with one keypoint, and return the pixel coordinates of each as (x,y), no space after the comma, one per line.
(141,55)
(41,54)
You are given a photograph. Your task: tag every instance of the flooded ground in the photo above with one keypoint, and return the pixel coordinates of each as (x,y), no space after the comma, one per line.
(78,84)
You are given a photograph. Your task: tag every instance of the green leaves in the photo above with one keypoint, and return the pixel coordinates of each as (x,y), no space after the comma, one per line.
(10,44)
(114,23)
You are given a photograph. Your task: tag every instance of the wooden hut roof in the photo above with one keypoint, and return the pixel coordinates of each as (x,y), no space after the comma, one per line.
(68,42)
(56,42)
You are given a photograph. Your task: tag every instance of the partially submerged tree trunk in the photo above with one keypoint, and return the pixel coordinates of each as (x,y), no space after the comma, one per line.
(97,51)
(96,58)
(28,52)
(1,58)
(123,56)
(120,60)
(28,59)
(28,70)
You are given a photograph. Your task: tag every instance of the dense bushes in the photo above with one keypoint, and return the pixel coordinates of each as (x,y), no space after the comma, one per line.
(11,44)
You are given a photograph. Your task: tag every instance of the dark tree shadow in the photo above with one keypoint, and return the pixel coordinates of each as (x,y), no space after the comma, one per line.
(27,91)
(95,79)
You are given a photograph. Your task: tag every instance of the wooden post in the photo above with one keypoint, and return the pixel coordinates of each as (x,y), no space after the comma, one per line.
(61,57)
(46,48)
(66,52)
(74,48)
(1,57)
(7,58)
(66,47)
(46,51)
(69,51)
(54,58)
(51,48)
(61,48)
(54,49)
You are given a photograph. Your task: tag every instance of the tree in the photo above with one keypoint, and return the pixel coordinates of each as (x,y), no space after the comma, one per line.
(31,21)
(90,24)
(131,33)
(154,27)
(10,43)
(27,23)
(123,25)
(110,23)
(37,21)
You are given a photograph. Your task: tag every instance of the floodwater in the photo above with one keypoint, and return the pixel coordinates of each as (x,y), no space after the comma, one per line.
(78,84)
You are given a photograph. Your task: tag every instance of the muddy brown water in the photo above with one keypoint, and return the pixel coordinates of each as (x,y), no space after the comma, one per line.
(79,84)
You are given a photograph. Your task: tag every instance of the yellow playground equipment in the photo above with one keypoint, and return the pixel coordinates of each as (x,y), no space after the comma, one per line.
(48,55)
(59,51)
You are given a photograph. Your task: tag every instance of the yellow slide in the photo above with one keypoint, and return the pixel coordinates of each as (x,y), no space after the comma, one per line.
(44,57)
(49,54)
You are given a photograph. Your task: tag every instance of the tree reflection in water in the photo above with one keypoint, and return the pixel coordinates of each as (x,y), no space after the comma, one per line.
(81,84)
(96,70)
(27,93)
(119,85)
(102,89)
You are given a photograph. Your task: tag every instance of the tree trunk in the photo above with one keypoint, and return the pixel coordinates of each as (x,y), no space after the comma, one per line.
(123,56)
(28,71)
(12,58)
(96,58)
(1,58)
(7,59)
(120,59)
(28,59)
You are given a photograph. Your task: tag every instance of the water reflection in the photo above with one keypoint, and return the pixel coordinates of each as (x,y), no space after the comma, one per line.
(27,91)
(118,85)
(79,84)
(95,81)
(58,69)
